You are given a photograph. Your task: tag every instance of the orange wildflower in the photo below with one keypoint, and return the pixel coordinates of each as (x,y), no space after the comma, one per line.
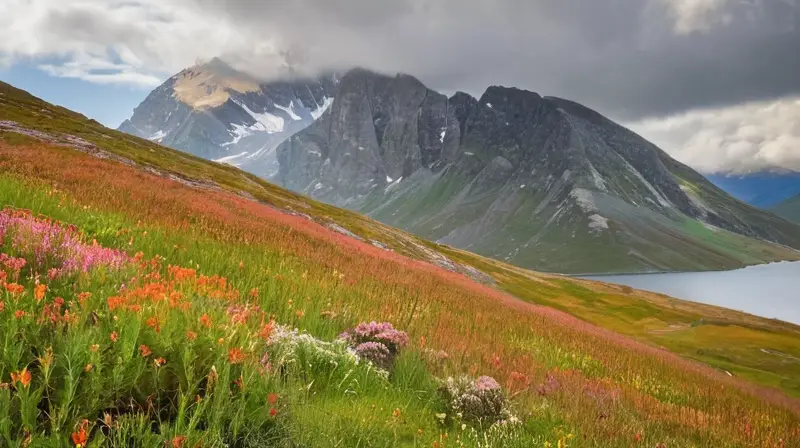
(191,335)
(144,351)
(23,377)
(205,320)
(84,296)
(80,437)
(39,292)
(115,302)
(253,293)
(2,306)
(266,330)
(113,336)
(236,356)
(88,368)
(153,323)
(272,398)
(178,441)
(158,362)
(300,314)
(19,314)
(94,348)
(14,288)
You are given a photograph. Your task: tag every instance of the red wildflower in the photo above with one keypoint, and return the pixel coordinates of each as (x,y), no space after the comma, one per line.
(272,398)
(80,437)
(205,320)
(113,336)
(23,377)
(273,412)
(144,351)
(19,314)
(236,356)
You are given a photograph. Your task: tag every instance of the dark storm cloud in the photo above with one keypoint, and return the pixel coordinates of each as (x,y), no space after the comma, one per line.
(628,58)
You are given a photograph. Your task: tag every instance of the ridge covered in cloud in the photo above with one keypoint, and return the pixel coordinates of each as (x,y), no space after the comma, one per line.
(633,60)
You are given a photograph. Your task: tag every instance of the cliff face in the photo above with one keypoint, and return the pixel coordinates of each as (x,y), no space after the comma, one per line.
(540,182)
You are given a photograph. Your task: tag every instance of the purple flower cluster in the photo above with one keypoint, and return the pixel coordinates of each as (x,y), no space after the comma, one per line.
(378,342)
(376,352)
(486,383)
(50,247)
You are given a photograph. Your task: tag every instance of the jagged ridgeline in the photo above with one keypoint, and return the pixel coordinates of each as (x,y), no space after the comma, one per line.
(540,182)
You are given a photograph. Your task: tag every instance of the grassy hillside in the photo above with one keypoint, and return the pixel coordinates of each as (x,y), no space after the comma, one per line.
(174,327)
(789,209)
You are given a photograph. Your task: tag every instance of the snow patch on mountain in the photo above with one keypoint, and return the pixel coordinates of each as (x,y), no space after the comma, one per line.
(265,121)
(290,111)
(326,103)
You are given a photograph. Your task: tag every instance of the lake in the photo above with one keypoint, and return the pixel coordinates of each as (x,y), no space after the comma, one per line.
(769,290)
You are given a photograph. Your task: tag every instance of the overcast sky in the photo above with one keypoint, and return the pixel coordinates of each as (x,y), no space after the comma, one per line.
(714,82)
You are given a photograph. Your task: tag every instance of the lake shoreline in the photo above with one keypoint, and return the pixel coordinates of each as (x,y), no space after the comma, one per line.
(590,275)
(766,290)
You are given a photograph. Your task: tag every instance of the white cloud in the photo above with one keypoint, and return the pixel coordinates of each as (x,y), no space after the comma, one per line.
(697,15)
(740,139)
(129,42)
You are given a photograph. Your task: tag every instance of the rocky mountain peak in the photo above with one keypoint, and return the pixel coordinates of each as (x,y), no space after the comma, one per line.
(216,112)
(528,179)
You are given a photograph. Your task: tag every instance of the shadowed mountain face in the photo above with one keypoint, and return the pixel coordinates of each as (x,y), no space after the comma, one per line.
(789,209)
(539,182)
(217,113)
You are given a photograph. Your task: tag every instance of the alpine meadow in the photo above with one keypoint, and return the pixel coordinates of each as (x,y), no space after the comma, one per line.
(153,298)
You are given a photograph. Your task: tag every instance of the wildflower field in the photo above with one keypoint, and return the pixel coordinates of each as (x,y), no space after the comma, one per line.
(149,298)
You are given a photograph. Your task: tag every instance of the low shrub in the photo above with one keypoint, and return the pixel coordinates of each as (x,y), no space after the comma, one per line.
(379,343)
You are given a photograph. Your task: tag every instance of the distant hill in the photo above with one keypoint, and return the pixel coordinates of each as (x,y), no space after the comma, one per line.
(789,209)
(762,190)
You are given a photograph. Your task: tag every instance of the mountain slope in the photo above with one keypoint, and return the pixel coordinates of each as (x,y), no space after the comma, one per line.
(280,257)
(213,111)
(789,209)
(538,182)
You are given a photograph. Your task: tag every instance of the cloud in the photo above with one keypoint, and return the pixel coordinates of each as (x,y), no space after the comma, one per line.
(632,60)
(742,139)
(697,15)
(627,58)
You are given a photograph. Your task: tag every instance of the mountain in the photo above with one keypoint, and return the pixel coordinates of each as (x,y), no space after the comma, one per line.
(762,190)
(218,113)
(538,182)
(789,209)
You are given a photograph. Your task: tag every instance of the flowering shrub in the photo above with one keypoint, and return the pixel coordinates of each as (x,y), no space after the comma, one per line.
(285,346)
(50,247)
(379,343)
(479,401)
